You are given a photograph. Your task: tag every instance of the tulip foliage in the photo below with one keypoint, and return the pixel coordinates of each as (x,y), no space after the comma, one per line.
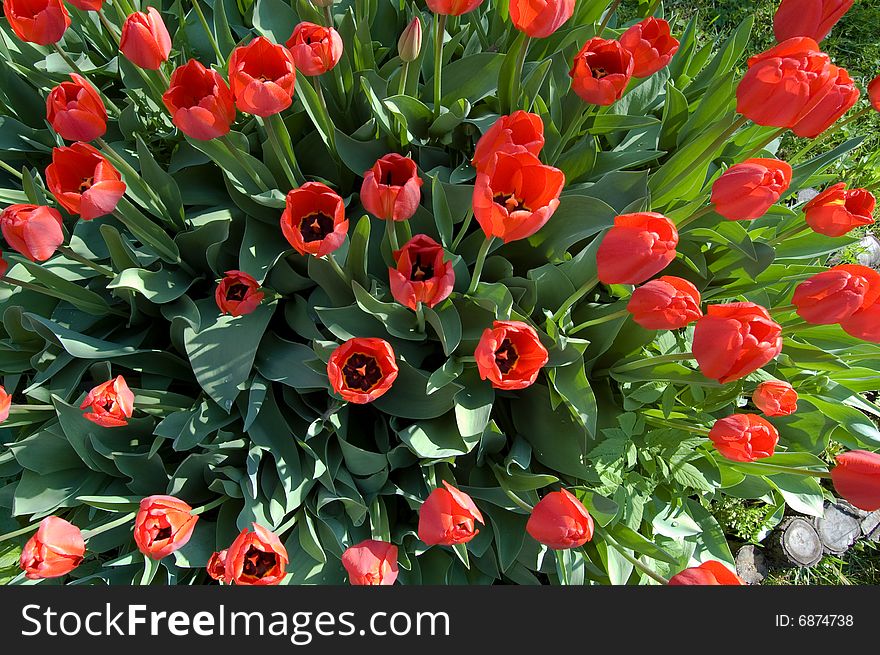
(383,293)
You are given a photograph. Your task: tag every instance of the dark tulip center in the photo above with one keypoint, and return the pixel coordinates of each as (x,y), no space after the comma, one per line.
(361,372)
(510,202)
(86,184)
(421,271)
(163,533)
(237,292)
(107,405)
(315,227)
(258,563)
(599,72)
(506,356)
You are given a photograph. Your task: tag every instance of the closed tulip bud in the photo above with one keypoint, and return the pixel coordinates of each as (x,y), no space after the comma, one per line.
(744,437)
(560,521)
(32,230)
(448,517)
(163,524)
(638,247)
(748,190)
(362,369)
(392,188)
(874,93)
(314,220)
(856,477)
(775,398)
(111,403)
(5,398)
(256,558)
(651,44)
(540,19)
(453,7)
(708,573)
(316,49)
(75,110)
(667,303)
(55,550)
(217,565)
(238,294)
(409,45)
(837,210)
(199,101)
(145,41)
(421,275)
(812,18)
(518,132)
(834,103)
(834,295)
(83,181)
(37,21)
(262,77)
(371,563)
(510,355)
(601,71)
(735,339)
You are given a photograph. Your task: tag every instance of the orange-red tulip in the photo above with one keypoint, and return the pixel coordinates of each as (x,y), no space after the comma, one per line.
(856,477)
(560,521)
(316,49)
(864,324)
(238,294)
(314,220)
(262,77)
(256,558)
(837,210)
(747,190)
(744,437)
(199,101)
(540,18)
(5,398)
(32,230)
(75,110)
(812,18)
(55,550)
(601,71)
(453,7)
(421,275)
(163,524)
(834,295)
(38,21)
(834,103)
(510,355)
(448,517)
(217,565)
(371,562)
(651,44)
(111,403)
(87,5)
(392,188)
(638,247)
(775,398)
(518,132)
(707,573)
(874,93)
(362,369)
(145,41)
(83,181)
(667,303)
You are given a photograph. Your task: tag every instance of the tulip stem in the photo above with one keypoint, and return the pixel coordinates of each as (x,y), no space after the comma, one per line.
(420,317)
(676,425)
(108,26)
(814,142)
(695,216)
(220,59)
(76,69)
(576,296)
(233,150)
(783,310)
(274,124)
(787,234)
(115,523)
(598,321)
(478,266)
(462,230)
(439,31)
(761,468)
(85,261)
(21,531)
(209,506)
(336,267)
(328,16)
(651,573)
(391,234)
(571,131)
(763,144)
(651,361)
(130,172)
(10,169)
(607,18)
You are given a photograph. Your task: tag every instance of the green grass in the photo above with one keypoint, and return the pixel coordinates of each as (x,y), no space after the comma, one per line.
(859,566)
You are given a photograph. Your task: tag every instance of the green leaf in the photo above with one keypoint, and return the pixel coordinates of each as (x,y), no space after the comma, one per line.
(159,287)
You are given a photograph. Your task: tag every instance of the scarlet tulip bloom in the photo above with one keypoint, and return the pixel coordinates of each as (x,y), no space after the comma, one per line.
(510,355)
(744,437)
(836,294)
(540,18)
(651,44)
(560,521)
(864,324)
(392,188)
(76,111)
(448,517)
(517,197)
(314,220)
(834,103)
(371,562)
(37,21)
(421,274)
(453,7)
(112,403)
(163,524)
(708,573)
(812,18)
(199,101)
(601,71)
(362,369)
(874,93)
(638,247)
(775,398)
(32,230)
(217,565)
(4,266)
(735,339)
(316,49)
(856,477)
(667,303)
(256,558)
(55,550)
(262,77)
(5,398)
(83,181)
(87,5)
(145,41)
(837,210)
(238,294)
(748,190)
(518,132)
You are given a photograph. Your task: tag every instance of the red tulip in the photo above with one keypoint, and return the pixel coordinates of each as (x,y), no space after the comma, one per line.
(392,188)
(812,18)
(837,210)
(651,44)
(510,355)
(314,220)
(857,478)
(540,18)
(601,71)
(518,132)
(76,111)
(864,324)
(38,21)
(32,231)
(316,49)
(55,550)
(560,521)
(4,266)
(217,565)
(421,275)
(448,517)
(199,101)
(746,191)
(256,558)
(87,5)
(163,524)
(145,41)
(371,563)
(735,339)
(238,294)
(83,181)
(517,197)
(5,398)
(775,398)
(638,247)
(707,573)
(836,294)
(874,93)
(262,77)
(833,104)
(667,303)
(112,403)
(744,437)
(362,369)
(453,7)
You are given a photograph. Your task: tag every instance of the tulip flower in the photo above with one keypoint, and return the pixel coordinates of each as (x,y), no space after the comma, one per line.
(856,477)
(812,18)
(5,398)
(111,403)
(834,103)
(601,71)
(163,524)
(75,110)
(55,550)
(87,5)
(217,565)
(362,369)
(864,324)
(199,101)
(448,517)
(560,521)
(371,562)
(421,275)
(651,44)
(145,41)
(539,19)
(837,210)
(32,230)
(238,294)
(409,45)
(744,437)
(775,398)
(256,558)
(510,355)
(638,247)
(834,295)
(262,76)
(314,220)
(43,22)
(667,303)
(392,188)
(453,7)
(83,181)
(518,132)
(874,93)
(707,573)
(316,49)
(748,190)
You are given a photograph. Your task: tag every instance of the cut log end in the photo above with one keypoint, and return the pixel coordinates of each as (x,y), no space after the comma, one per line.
(795,542)
(839,527)
(751,565)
